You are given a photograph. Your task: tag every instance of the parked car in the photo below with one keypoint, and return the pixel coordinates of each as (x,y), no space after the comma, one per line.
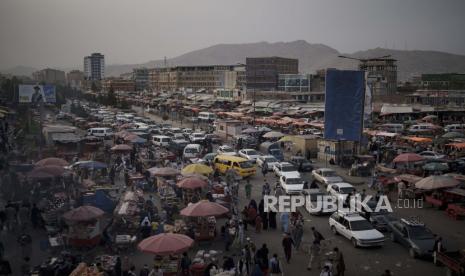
(292,184)
(340,190)
(285,168)
(301,163)
(326,176)
(192,151)
(269,160)
(414,235)
(431,155)
(356,229)
(197,137)
(226,150)
(250,154)
(215,139)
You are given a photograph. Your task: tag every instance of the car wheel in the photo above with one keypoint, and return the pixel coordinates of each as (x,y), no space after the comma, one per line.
(354,243)
(333,229)
(393,237)
(412,253)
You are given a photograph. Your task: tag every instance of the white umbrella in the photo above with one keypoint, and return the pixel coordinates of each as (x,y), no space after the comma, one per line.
(436,182)
(273,134)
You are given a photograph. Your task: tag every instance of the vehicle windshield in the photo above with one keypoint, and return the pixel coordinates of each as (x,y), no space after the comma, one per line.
(191,150)
(329,173)
(287,168)
(275,151)
(420,233)
(360,225)
(246,164)
(227,149)
(271,160)
(294,181)
(198,135)
(251,152)
(346,190)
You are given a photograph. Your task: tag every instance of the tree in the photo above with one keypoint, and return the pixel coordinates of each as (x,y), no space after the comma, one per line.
(111,98)
(93,87)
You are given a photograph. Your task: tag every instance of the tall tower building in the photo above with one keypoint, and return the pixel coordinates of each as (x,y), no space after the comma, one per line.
(94,67)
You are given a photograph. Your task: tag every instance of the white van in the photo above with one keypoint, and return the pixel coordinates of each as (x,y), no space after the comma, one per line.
(395,128)
(161,140)
(422,128)
(192,151)
(207,116)
(455,128)
(100,132)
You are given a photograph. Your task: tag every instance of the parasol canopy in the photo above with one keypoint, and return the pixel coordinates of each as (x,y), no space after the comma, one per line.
(204,208)
(52,161)
(436,166)
(249,130)
(407,158)
(192,183)
(197,169)
(165,244)
(453,135)
(121,147)
(436,182)
(286,139)
(83,213)
(42,171)
(264,129)
(273,134)
(167,171)
(90,164)
(196,175)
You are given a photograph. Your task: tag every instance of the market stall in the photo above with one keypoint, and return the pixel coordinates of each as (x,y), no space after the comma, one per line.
(84,226)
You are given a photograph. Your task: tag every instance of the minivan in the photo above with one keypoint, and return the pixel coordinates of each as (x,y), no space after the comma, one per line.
(242,166)
(192,151)
(100,132)
(423,128)
(395,128)
(455,128)
(161,141)
(207,116)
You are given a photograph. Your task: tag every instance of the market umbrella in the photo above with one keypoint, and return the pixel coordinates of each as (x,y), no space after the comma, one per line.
(453,135)
(165,244)
(196,175)
(273,134)
(249,130)
(192,183)
(204,208)
(435,166)
(430,117)
(90,164)
(198,169)
(408,157)
(83,213)
(121,147)
(264,129)
(167,171)
(54,161)
(436,182)
(39,175)
(53,171)
(286,139)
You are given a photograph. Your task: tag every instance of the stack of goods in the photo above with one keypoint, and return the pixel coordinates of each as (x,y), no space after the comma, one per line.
(83,270)
(108,262)
(54,208)
(168,264)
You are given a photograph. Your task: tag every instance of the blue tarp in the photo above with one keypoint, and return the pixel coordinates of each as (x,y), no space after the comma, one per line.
(345,94)
(100,200)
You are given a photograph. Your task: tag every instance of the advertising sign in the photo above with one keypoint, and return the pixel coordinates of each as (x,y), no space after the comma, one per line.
(344,105)
(30,93)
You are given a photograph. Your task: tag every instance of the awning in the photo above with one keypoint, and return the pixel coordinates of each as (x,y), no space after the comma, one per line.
(457,145)
(419,139)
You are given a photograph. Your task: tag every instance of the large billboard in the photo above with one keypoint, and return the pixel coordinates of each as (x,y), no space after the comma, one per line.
(29,93)
(344,105)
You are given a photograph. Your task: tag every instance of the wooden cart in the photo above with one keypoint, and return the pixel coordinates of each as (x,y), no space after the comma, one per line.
(453,261)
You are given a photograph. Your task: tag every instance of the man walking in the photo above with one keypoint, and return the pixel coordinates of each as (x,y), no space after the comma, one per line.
(314,255)
(287,246)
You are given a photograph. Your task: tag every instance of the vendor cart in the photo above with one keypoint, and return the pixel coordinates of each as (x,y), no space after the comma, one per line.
(453,261)
(456,209)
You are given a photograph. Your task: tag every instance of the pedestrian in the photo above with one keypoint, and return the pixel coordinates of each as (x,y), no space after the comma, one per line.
(132,271)
(247,257)
(185,264)
(257,271)
(326,271)
(275,266)
(125,266)
(317,236)
(145,271)
(227,237)
(298,233)
(315,250)
(437,248)
(264,169)
(258,224)
(261,257)
(266,189)
(117,268)
(284,222)
(400,189)
(241,233)
(272,219)
(248,189)
(287,244)
(339,262)
(35,216)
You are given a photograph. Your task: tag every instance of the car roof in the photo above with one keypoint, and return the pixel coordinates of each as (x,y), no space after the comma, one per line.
(267,156)
(231,158)
(343,185)
(326,170)
(350,216)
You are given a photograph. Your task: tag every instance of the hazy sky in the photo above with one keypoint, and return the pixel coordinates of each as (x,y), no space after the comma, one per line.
(59,33)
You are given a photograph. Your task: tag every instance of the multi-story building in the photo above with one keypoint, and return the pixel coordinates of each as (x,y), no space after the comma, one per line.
(446,81)
(50,76)
(94,67)
(75,79)
(230,95)
(262,72)
(118,84)
(438,98)
(382,75)
(207,77)
(141,78)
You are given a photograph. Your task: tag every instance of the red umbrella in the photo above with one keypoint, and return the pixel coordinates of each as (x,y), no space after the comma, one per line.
(83,213)
(51,170)
(408,157)
(192,183)
(121,147)
(52,161)
(204,208)
(163,171)
(165,244)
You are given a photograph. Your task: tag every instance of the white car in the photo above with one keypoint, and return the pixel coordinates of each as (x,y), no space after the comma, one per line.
(340,190)
(285,168)
(249,154)
(431,155)
(326,176)
(269,160)
(292,184)
(356,229)
(226,150)
(197,137)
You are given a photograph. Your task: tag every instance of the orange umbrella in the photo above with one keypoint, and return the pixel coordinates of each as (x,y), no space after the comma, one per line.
(204,208)
(54,161)
(165,244)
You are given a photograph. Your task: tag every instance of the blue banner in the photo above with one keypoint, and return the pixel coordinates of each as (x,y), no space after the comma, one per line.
(344,104)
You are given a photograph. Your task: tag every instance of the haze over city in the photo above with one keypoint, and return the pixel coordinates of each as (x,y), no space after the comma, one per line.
(50,33)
